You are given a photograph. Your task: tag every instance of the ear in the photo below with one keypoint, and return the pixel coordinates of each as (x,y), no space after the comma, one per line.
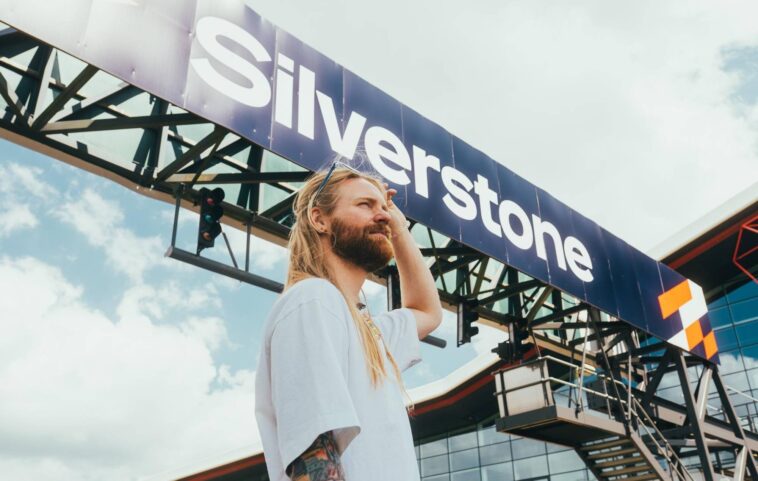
(319,220)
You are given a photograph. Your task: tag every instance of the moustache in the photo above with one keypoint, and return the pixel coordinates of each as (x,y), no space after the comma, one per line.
(379,230)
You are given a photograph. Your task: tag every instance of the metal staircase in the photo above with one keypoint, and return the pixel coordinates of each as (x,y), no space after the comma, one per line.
(617,458)
(614,436)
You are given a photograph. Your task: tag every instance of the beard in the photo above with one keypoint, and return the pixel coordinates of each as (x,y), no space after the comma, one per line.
(358,245)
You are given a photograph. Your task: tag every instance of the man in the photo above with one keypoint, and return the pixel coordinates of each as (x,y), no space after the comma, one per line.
(327,405)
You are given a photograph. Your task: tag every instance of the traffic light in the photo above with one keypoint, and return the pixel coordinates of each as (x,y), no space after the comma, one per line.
(522,337)
(466,315)
(210,215)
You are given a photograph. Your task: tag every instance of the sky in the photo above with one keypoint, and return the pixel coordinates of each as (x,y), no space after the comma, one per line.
(118,363)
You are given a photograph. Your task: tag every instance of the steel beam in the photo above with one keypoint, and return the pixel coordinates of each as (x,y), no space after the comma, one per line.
(458,251)
(731,415)
(142,122)
(213,138)
(70,90)
(511,290)
(560,314)
(50,57)
(17,108)
(86,105)
(240,178)
(695,423)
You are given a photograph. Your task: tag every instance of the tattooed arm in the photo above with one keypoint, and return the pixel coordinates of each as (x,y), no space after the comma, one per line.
(320,462)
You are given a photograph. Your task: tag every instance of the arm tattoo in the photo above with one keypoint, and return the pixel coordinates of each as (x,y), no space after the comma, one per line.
(320,462)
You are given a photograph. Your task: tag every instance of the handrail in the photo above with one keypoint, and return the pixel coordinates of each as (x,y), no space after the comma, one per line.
(633,410)
(669,452)
(730,388)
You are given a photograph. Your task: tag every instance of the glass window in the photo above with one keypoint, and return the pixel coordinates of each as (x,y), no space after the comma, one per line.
(434,448)
(575,476)
(564,461)
(726,338)
(670,379)
(468,475)
(462,441)
(530,467)
(673,394)
(730,362)
(747,334)
(716,298)
(442,477)
(464,459)
(489,435)
(745,291)
(434,465)
(742,311)
(720,317)
(554,448)
(524,448)
(495,453)
(738,381)
(750,356)
(498,472)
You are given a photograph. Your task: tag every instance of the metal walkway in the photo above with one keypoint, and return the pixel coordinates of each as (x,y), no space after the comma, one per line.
(620,431)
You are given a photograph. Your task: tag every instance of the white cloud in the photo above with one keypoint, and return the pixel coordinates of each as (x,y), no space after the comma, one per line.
(18,218)
(18,179)
(170,297)
(84,397)
(624,112)
(17,184)
(211,331)
(100,221)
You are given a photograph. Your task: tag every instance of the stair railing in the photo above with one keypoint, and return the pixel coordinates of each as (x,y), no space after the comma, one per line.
(631,409)
(663,447)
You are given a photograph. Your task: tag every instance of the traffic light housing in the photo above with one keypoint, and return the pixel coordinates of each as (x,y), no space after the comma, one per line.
(466,316)
(522,337)
(210,217)
(507,351)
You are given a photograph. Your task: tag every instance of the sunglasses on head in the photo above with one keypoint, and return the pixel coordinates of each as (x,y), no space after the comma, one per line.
(329,174)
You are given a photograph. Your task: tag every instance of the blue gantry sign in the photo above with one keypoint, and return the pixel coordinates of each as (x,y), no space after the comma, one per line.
(222,61)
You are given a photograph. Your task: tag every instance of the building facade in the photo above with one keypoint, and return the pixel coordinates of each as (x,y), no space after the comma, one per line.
(480,453)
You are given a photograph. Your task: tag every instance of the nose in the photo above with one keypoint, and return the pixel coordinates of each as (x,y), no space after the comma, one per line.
(382,216)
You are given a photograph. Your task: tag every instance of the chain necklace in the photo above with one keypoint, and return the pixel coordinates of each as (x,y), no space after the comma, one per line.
(366,315)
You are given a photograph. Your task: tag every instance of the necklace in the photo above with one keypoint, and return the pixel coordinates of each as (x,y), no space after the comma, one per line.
(366,315)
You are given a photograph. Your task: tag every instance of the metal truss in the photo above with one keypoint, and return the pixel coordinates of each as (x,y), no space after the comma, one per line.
(649,389)
(72,111)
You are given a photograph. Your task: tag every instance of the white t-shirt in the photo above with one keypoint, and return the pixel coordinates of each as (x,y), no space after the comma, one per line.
(312,378)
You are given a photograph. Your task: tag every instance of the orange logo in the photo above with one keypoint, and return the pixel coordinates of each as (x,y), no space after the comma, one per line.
(688,300)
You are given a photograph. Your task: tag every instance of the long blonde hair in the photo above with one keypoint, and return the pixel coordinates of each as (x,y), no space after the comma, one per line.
(307,259)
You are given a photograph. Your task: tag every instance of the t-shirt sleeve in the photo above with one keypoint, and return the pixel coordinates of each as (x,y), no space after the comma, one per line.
(400,334)
(309,388)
